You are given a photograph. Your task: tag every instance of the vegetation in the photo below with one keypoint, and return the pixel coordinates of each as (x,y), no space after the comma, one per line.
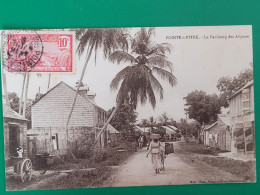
(191,128)
(227,85)
(202,107)
(15,103)
(201,155)
(124,119)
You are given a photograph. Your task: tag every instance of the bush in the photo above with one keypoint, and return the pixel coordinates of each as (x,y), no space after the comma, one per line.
(83,147)
(99,155)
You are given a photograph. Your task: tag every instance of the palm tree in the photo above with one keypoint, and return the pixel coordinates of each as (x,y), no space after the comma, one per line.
(164,118)
(92,40)
(21,97)
(5,87)
(26,93)
(138,82)
(49,81)
(144,122)
(152,121)
(173,122)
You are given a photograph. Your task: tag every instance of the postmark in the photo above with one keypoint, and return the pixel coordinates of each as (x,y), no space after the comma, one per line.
(24,52)
(41,51)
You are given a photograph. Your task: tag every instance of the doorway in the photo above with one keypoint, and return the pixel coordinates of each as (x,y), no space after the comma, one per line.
(14,139)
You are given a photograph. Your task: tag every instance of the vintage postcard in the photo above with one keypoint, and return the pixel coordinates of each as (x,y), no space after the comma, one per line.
(114,107)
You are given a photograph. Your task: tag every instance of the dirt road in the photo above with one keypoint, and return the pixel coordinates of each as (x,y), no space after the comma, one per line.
(180,168)
(138,171)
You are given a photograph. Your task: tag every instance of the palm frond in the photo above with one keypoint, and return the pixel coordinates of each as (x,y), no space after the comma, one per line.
(79,32)
(160,48)
(164,74)
(122,92)
(121,56)
(151,95)
(156,85)
(151,31)
(142,41)
(111,39)
(159,61)
(84,40)
(119,77)
(114,39)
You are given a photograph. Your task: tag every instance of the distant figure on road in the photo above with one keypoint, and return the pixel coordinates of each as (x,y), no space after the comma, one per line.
(154,149)
(141,141)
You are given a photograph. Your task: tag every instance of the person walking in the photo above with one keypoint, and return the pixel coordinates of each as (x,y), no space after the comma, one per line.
(154,149)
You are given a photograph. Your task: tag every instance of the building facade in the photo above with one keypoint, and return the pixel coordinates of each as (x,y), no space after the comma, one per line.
(218,135)
(242,121)
(50,114)
(15,129)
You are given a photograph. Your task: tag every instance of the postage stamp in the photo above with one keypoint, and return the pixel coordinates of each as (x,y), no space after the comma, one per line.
(38,52)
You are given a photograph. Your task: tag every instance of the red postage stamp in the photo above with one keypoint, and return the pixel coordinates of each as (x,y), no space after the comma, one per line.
(35,52)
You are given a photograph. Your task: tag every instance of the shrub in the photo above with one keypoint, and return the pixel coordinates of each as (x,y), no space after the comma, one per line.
(83,147)
(99,155)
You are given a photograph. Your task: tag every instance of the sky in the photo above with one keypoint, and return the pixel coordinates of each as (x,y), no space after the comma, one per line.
(200,58)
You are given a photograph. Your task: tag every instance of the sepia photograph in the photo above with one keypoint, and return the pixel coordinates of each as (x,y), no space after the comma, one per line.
(117,107)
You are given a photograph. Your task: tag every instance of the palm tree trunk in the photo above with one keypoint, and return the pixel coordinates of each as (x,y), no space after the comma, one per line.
(5,88)
(21,98)
(76,94)
(49,80)
(25,95)
(105,125)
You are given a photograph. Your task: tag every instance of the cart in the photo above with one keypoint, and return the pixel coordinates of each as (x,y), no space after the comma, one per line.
(41,162)
(22,167)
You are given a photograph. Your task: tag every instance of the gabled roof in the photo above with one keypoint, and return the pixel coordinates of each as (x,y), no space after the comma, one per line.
(143,129)
(173,127)
(138,128)
(240,90)
(208,127)
(10,113)
(225,119)
(91,101)
(112,129)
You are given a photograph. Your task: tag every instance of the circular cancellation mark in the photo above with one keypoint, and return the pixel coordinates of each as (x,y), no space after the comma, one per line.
(24,51)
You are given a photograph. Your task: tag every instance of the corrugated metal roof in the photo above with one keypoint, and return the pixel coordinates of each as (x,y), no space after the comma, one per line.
(173,127)
(143,129)
(210,126)
(10,113)
(169,130)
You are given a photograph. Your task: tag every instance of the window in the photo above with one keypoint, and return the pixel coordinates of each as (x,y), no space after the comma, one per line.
(246,99)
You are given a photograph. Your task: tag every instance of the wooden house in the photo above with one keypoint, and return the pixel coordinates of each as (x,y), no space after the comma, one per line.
(49,116)
(15,128)
(242,121)
(218,134)
(204,135)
